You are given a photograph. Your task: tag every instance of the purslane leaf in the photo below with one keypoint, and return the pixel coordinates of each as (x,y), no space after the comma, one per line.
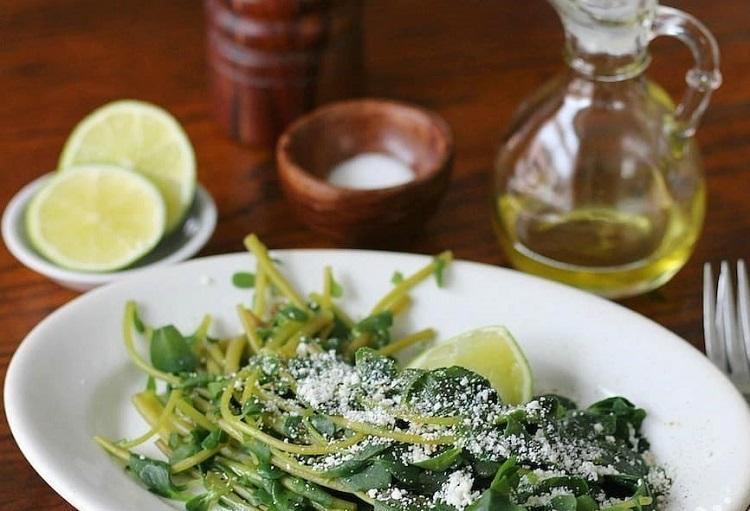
(375,475)
(171,352)
(155,475)
(243,280)
(442,461)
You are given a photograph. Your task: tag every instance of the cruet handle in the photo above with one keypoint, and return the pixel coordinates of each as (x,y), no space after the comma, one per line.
(702,79)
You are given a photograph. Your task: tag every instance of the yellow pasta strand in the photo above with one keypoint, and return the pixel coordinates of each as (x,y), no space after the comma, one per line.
(254,245)
(174,398)
(405,285)
(410,340)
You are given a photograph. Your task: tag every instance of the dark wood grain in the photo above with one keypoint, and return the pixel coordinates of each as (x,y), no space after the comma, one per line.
(272,60)
(472,61)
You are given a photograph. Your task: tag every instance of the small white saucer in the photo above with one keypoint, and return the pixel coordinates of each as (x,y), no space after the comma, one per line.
(177,246)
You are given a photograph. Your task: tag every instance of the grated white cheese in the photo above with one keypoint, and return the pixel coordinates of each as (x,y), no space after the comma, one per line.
(331,385)
(456,491)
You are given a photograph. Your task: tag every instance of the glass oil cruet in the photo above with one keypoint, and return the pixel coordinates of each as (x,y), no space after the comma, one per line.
(599,183)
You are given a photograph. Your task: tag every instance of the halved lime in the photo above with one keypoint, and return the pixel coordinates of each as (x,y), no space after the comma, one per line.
(96,218)
(491,352)
(141,137)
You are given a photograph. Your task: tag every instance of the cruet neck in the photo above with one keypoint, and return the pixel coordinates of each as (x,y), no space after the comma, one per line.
(607,40)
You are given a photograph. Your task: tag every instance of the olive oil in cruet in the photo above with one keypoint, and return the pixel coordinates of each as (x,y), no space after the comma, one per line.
(599,183)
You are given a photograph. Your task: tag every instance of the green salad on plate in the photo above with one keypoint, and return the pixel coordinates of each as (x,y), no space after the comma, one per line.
(306,409)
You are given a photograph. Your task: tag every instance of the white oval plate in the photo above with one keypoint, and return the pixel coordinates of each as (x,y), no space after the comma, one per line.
(71,378)
(185,242)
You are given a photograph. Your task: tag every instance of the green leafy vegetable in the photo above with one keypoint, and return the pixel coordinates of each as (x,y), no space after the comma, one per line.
(243,280)
(497,497)
(191,381)
(202,502)
(442,390)
(283,499)
(260,449)
(355,462)
(439,271)
(376,323)
(155,475)
(336,290)
(442,461)
(507,477)
(216,388)
(586,503)
(627,416)
(323,425)
(171,352)
(374,476)
(293,313)
(213,439)
(575,485)
(137,322)
(564,503)
(493,501)
(371,364)
(253,407)
(184,447)
(310,490)
(378,326)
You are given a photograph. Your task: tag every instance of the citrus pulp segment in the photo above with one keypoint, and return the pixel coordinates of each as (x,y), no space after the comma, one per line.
(96,218)
(141,137)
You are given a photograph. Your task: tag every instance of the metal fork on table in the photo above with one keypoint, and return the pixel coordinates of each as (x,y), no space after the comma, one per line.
(726,323)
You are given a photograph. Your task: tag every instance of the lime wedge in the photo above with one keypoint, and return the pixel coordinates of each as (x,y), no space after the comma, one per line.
(96,218)
(490,352)
(141,137)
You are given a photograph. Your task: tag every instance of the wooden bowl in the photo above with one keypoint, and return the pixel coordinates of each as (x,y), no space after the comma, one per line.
(313,145)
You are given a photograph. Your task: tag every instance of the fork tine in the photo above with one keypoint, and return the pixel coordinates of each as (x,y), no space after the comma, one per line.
(743,309)
(735,349)
(714,345)
(721,344)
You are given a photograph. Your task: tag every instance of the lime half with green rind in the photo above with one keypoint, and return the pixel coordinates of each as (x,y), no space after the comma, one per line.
(491,352)
(142,137)
(96,218)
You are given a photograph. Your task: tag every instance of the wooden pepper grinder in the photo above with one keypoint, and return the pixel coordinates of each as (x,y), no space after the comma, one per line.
(273,60)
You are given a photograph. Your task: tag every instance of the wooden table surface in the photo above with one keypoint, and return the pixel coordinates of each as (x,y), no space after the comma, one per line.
(473,61)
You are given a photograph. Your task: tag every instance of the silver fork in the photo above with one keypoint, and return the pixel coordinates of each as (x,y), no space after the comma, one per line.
(726,323)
